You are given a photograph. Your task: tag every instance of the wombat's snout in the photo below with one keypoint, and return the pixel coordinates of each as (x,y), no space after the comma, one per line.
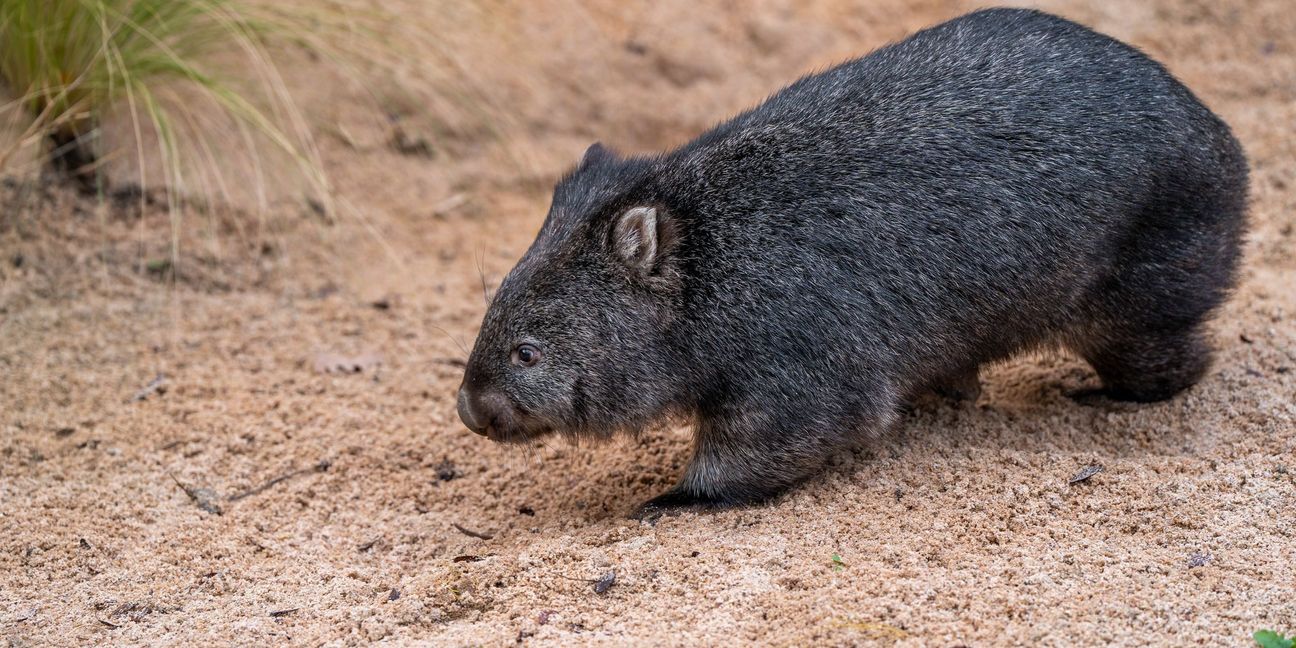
(479,410)
(470,414)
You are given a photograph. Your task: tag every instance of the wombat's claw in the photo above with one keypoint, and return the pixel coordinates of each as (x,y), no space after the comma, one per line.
(1100,397)
(668,503)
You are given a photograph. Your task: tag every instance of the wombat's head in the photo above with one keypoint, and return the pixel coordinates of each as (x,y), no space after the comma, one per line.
(576,339)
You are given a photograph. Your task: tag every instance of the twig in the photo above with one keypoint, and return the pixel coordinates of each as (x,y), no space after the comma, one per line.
(321,466)
(155,386)
(579,580)
(473,534)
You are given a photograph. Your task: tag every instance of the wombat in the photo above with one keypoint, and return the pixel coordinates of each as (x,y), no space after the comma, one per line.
(1004,181)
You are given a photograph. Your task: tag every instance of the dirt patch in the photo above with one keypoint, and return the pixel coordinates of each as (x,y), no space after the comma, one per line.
(177,464)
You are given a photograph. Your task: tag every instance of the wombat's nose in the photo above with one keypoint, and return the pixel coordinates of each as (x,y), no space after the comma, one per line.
(471,417)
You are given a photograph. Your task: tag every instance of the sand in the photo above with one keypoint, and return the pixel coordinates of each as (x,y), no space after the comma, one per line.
(354,507)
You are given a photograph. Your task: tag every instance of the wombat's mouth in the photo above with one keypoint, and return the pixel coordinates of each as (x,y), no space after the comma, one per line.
(511,437)
(513,434)
(518,426)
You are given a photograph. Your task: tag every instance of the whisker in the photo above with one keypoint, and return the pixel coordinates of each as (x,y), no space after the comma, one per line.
(532,457)
(545,442)
(457,342)
(481,273)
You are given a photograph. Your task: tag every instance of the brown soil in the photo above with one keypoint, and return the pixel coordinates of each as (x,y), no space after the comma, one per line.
(389,520)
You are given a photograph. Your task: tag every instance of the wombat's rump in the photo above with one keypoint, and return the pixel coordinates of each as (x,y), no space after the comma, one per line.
(1002,181)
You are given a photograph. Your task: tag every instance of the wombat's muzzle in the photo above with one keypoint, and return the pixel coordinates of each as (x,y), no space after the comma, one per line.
(471,415)
(482,410)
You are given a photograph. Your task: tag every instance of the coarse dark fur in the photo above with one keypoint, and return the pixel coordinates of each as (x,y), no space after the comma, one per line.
(999,182)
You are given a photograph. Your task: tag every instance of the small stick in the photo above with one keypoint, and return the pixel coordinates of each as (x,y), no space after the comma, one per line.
(157,385)
(321,466)
(473,534)
(579,580)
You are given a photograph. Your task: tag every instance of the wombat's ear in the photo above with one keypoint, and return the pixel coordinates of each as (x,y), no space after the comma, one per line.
(636,237)
(597,153)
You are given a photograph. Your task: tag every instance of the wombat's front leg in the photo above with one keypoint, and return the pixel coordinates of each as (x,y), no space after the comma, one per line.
(746,461)
(963,386)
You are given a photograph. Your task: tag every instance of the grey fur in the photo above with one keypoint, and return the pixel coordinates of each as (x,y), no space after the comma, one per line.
(999,182)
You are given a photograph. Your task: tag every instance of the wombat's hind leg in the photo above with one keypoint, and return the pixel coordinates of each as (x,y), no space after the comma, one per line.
(1145,335)
(1148,366)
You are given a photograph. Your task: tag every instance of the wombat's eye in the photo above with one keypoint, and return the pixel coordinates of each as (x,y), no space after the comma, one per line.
(526,355)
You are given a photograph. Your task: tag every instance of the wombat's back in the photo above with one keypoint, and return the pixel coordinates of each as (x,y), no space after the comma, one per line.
(955,197)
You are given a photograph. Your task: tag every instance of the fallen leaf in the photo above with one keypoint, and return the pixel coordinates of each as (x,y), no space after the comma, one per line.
(602,585)
(1088,472)
(1271,639)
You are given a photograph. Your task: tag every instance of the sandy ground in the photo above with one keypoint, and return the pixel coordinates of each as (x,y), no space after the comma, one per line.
(251,499)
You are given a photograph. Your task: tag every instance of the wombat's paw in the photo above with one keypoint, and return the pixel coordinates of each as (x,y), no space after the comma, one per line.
(961,388)
(959,393)
(1102,398)
(672,502)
